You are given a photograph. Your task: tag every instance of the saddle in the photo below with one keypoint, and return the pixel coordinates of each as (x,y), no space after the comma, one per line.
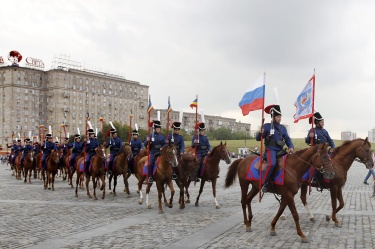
(279,164)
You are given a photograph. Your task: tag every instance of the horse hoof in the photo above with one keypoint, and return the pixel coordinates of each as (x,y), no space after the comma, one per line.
(90,196)
(273,233)
(338,224)
(282,217)
(312,219)
(137,191)
(248,229)
(217,206)
(95,199)
(187,201)
(140,202)
(196,204)
(305,240)
(49,188)
(160,212)
(76,195)
(170,206)
(182,206)
(328,218)
(149,206)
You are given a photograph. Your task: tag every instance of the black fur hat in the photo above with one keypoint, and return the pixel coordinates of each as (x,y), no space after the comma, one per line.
(274,110)
(317,118)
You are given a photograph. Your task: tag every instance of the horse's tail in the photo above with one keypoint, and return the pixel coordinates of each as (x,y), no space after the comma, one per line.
(231,174)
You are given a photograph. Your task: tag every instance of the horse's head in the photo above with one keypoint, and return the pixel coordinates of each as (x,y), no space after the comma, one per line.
(169,152)
(322,162)
(224,153)
(127,149)
(30,156)
(55,156)
(363,152)
(101,152)
(190,165)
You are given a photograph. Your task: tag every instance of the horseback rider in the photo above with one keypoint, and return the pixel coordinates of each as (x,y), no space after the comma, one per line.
(275,137)
(319,135)
(91,145)
(47,148)
(36,149)
(115,144)
(16,150)
(136,145)
(78,147)
(202,144)
(157,142)
(26,150)
(178,141)
(11,150)
(65,149)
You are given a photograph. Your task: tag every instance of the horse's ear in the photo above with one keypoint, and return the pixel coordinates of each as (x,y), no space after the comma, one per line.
(221,143)
(366,140)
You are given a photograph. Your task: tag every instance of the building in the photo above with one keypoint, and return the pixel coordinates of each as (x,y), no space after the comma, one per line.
(348,135)
(65,95)
(371,136)
(187,120)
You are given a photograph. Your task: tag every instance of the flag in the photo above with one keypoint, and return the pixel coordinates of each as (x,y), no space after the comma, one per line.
(194,103)
(305,101)
(150,107)
(253,99)
(169,106)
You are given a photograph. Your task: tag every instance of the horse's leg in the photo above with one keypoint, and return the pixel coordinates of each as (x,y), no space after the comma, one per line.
(114,185)
(24,168)
(244,189)
(334,195)
(110,182)
(289,200)
(200,192)
(147,195)
(53,181)
(87,186)
(126,183)
(140,181)
(103,183)
(77,183)
(303,197)
(30,173)
(160,188)
(181,186)
(94,183)
(214,193)
(170,185)
(187,191)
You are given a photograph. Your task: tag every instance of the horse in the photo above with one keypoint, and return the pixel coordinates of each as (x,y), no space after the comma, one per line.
(97,171)
(28,165)
(295,166)
(342,157)
(17,166)
(52,163)
(163,175)
(120,167)
(211,170)
(186,170)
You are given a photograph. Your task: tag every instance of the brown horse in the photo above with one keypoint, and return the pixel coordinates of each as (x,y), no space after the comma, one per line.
(97,171)
(17,166)
(52,163)
(295,166)
(163,175)
(28,165)
(342,158)
(186,171)
(211,171)
(120,167)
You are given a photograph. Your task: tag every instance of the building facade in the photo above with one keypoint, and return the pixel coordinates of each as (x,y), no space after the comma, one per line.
(348,135)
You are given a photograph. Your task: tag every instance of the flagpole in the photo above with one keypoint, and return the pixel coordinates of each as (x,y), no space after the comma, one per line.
(196,129)
(261,142)
(313,108)
(130,125)
(168,117)
(148,135)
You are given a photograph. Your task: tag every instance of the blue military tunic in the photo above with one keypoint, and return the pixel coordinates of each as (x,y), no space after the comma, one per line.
(137,146)
(47,148)
(157,141)
(115,145)
(25,150)
(91,145)
(321,136)
(178,141)
(203,145)
(77,149)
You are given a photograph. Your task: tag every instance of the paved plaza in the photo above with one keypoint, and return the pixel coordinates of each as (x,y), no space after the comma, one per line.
(31,217)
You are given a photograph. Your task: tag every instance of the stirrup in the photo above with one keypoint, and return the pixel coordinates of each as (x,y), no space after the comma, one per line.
(109,172)
(150,179)
(174,176)
(197,179)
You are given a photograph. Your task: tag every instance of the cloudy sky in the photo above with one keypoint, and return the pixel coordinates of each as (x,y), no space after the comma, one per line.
(216,49)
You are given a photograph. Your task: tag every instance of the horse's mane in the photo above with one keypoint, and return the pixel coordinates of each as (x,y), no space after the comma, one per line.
(347,143)
(298,153)
(213,150)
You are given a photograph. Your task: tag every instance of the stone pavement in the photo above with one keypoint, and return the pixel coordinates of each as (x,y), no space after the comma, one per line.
(31,217)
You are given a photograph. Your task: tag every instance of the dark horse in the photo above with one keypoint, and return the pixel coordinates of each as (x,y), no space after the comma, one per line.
(342,158)
(186,171)
(97,171)
(28,165)
(296,165)
(163,175)
(52,163)
(120,167)
(211,171)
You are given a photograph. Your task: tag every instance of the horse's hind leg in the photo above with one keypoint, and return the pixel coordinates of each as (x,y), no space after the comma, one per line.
(247,222)
(170,184)
(53,181)
(94,183)
(103,183)
(200,192)
(87,186)
(304,200)
(126,183)
(335,193)
(214,193)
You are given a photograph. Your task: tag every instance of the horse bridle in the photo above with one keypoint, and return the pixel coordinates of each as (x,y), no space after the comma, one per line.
(365,161)
(322,167)
(169,160)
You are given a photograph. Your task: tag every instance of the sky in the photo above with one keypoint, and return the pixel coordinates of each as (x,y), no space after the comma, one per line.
(215,49)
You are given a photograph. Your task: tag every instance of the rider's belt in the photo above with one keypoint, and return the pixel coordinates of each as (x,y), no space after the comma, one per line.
(136,149)
(116,149)
(277,143)
(202,147)
(156,146)
(177,147)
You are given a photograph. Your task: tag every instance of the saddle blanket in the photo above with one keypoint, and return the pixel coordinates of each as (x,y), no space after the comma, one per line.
(203,166)
(253,172)
(145,167)
(310,174)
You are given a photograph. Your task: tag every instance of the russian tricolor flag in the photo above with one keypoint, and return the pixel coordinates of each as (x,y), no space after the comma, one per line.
(253,99)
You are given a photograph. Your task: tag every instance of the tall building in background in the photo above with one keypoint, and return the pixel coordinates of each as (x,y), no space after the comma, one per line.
(65,94)
(348,135)
(371,135)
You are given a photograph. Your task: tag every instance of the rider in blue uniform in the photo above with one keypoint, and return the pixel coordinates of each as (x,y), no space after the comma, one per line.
(202,145)
(65,149)
(157,142)
(137,146)
(12,150)
(91,145)
(275,137)
(319,135)
(16,150)
(28,147)
(77,148)
(115,144)
(178,141)
(47,148)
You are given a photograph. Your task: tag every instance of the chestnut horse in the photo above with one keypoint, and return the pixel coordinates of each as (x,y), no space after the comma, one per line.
(295,166)
(17,166)
(28,165)
(52,164)
(211,171)
(97,171)
(342,158)
(163,175)
(186,171)
(120,167)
